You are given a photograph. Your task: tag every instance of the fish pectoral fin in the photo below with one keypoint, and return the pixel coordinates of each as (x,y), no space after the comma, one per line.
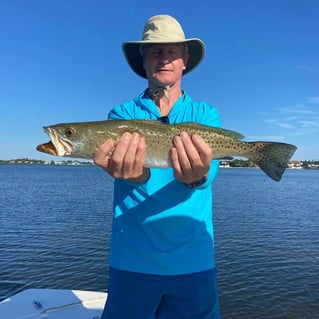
(225,158)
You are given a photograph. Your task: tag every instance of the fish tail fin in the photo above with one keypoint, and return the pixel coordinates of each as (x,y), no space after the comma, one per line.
(272,157)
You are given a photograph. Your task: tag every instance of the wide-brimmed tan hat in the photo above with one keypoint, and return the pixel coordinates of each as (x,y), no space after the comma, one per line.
(162,29)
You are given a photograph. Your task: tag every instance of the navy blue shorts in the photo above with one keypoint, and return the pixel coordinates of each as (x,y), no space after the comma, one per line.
(141,296)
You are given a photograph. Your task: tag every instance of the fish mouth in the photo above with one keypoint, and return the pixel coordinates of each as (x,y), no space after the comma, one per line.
(48,148)
(58,146)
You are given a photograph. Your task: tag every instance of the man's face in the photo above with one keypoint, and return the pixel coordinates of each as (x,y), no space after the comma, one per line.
(164,63)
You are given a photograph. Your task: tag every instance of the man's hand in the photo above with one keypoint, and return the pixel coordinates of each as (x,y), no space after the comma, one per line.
(124,160)
(191,157)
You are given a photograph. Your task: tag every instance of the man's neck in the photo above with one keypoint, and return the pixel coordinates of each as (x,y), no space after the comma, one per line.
(165,97)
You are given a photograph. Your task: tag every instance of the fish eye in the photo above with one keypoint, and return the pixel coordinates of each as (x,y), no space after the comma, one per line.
(69,132)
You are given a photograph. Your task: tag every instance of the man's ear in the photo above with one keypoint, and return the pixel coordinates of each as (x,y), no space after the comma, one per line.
(186,59)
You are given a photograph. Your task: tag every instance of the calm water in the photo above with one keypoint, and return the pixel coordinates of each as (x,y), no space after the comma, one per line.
(55,224)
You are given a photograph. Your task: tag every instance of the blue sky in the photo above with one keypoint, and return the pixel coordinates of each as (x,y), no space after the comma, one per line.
(61,61)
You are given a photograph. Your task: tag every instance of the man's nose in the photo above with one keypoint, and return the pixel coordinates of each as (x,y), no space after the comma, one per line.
(164,59)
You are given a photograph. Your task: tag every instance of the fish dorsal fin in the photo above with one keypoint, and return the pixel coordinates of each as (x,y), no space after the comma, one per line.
(217,130)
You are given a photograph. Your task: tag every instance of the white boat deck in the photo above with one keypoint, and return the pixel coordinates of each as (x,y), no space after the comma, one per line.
(53,304)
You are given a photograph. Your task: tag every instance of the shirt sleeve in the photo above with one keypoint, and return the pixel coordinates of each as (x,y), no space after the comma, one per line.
(122,111)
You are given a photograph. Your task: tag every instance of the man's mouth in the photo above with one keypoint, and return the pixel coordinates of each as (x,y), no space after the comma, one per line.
(163,70)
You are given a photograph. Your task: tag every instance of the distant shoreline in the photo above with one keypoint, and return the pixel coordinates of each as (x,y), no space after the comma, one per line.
(26,161)
(223,164)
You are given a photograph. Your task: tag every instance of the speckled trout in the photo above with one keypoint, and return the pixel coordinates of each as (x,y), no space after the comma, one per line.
(81,140)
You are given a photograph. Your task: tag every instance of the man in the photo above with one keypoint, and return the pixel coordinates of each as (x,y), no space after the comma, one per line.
(162,250)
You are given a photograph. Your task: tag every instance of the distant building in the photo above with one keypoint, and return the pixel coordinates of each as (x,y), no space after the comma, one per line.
(224,163)
(295,164)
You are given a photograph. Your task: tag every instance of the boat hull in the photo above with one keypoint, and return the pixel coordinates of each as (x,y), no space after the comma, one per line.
(53,304)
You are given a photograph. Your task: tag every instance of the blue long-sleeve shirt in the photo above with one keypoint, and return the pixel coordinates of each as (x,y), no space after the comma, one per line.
(161,226)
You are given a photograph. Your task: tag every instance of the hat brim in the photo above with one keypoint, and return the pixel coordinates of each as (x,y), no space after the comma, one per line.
(131,50)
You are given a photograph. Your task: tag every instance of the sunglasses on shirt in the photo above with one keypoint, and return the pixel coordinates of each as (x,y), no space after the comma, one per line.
(164,119)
